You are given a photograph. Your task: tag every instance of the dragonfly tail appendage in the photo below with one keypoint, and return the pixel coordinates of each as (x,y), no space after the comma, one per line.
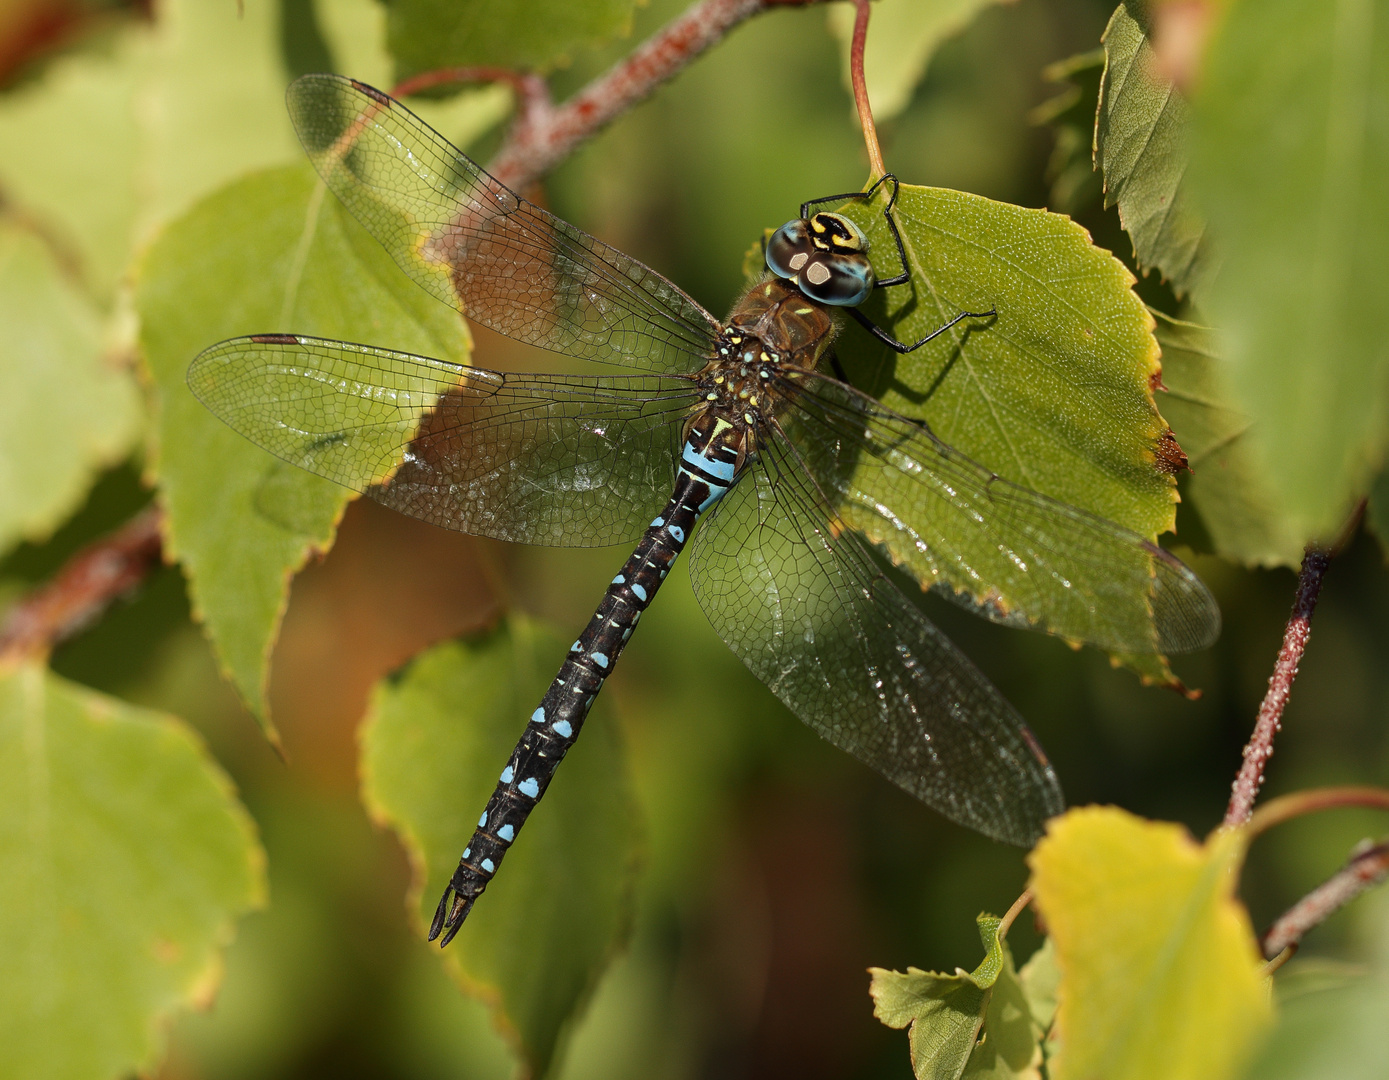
(453,908)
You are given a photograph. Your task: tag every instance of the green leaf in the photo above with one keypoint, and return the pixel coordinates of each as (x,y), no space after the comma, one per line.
(1160,974)
(268,254)
(433,746)
(212,104)
(66,410)
(1227,485)
(1141,147)
(1054,393)
(171,111)
(537,35)
(946,1014)
(1009,1048)
(76,122)
(1040,978)
(125,860)
(903,35)
(1291,144)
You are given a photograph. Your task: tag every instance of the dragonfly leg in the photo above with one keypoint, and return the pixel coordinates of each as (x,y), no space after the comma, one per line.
(897,346)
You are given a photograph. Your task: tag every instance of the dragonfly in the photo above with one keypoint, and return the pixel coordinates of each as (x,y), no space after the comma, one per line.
(799,483)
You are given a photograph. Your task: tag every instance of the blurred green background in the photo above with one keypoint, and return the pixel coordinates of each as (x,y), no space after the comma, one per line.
(776,869)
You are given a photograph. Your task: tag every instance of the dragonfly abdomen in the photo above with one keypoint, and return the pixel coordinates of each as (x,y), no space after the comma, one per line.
(708,467)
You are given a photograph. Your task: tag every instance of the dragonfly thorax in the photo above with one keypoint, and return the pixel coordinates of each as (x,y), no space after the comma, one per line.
(773,331)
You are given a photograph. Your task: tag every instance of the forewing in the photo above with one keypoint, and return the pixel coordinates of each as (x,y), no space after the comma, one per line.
(562,461)
(804,606)
(1001,550)
(475,245)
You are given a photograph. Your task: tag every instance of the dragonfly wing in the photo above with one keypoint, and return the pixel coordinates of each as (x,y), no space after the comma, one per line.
(562,461)
(480,248)
(806,608)
(1004,551)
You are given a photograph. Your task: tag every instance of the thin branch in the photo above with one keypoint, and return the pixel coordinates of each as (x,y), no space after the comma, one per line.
(525,85)
(83,588)
(860,83)
(1368,866)
(544,137)
(1260,747)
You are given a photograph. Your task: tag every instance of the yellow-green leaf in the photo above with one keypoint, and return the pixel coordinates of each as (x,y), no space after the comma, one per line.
(1160,972)
(66,409)
(125,860)
(433,746)
(272,253)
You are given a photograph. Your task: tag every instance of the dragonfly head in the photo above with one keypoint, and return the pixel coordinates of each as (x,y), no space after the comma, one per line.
(826,256)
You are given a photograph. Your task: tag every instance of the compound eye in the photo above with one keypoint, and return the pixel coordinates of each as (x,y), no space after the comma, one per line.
(842,280)
(789,249)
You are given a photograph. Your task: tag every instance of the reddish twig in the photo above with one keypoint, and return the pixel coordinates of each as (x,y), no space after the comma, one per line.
(1367,867)
(545,136)
(523,83)
(860,84)
(83,588)
(1260,747)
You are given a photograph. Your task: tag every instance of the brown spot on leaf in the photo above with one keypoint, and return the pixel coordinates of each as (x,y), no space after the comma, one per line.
(1169,456)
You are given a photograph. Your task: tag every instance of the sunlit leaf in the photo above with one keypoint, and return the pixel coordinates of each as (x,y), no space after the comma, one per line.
(435,742)
(79,120)
(537,35)
(66,409)
(1290,147)
(212,102)
(903,35)
(1227,486)
(169,112)
(1053,393)
(125,860)
(271,253)
(1160,972)
(1141,147)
